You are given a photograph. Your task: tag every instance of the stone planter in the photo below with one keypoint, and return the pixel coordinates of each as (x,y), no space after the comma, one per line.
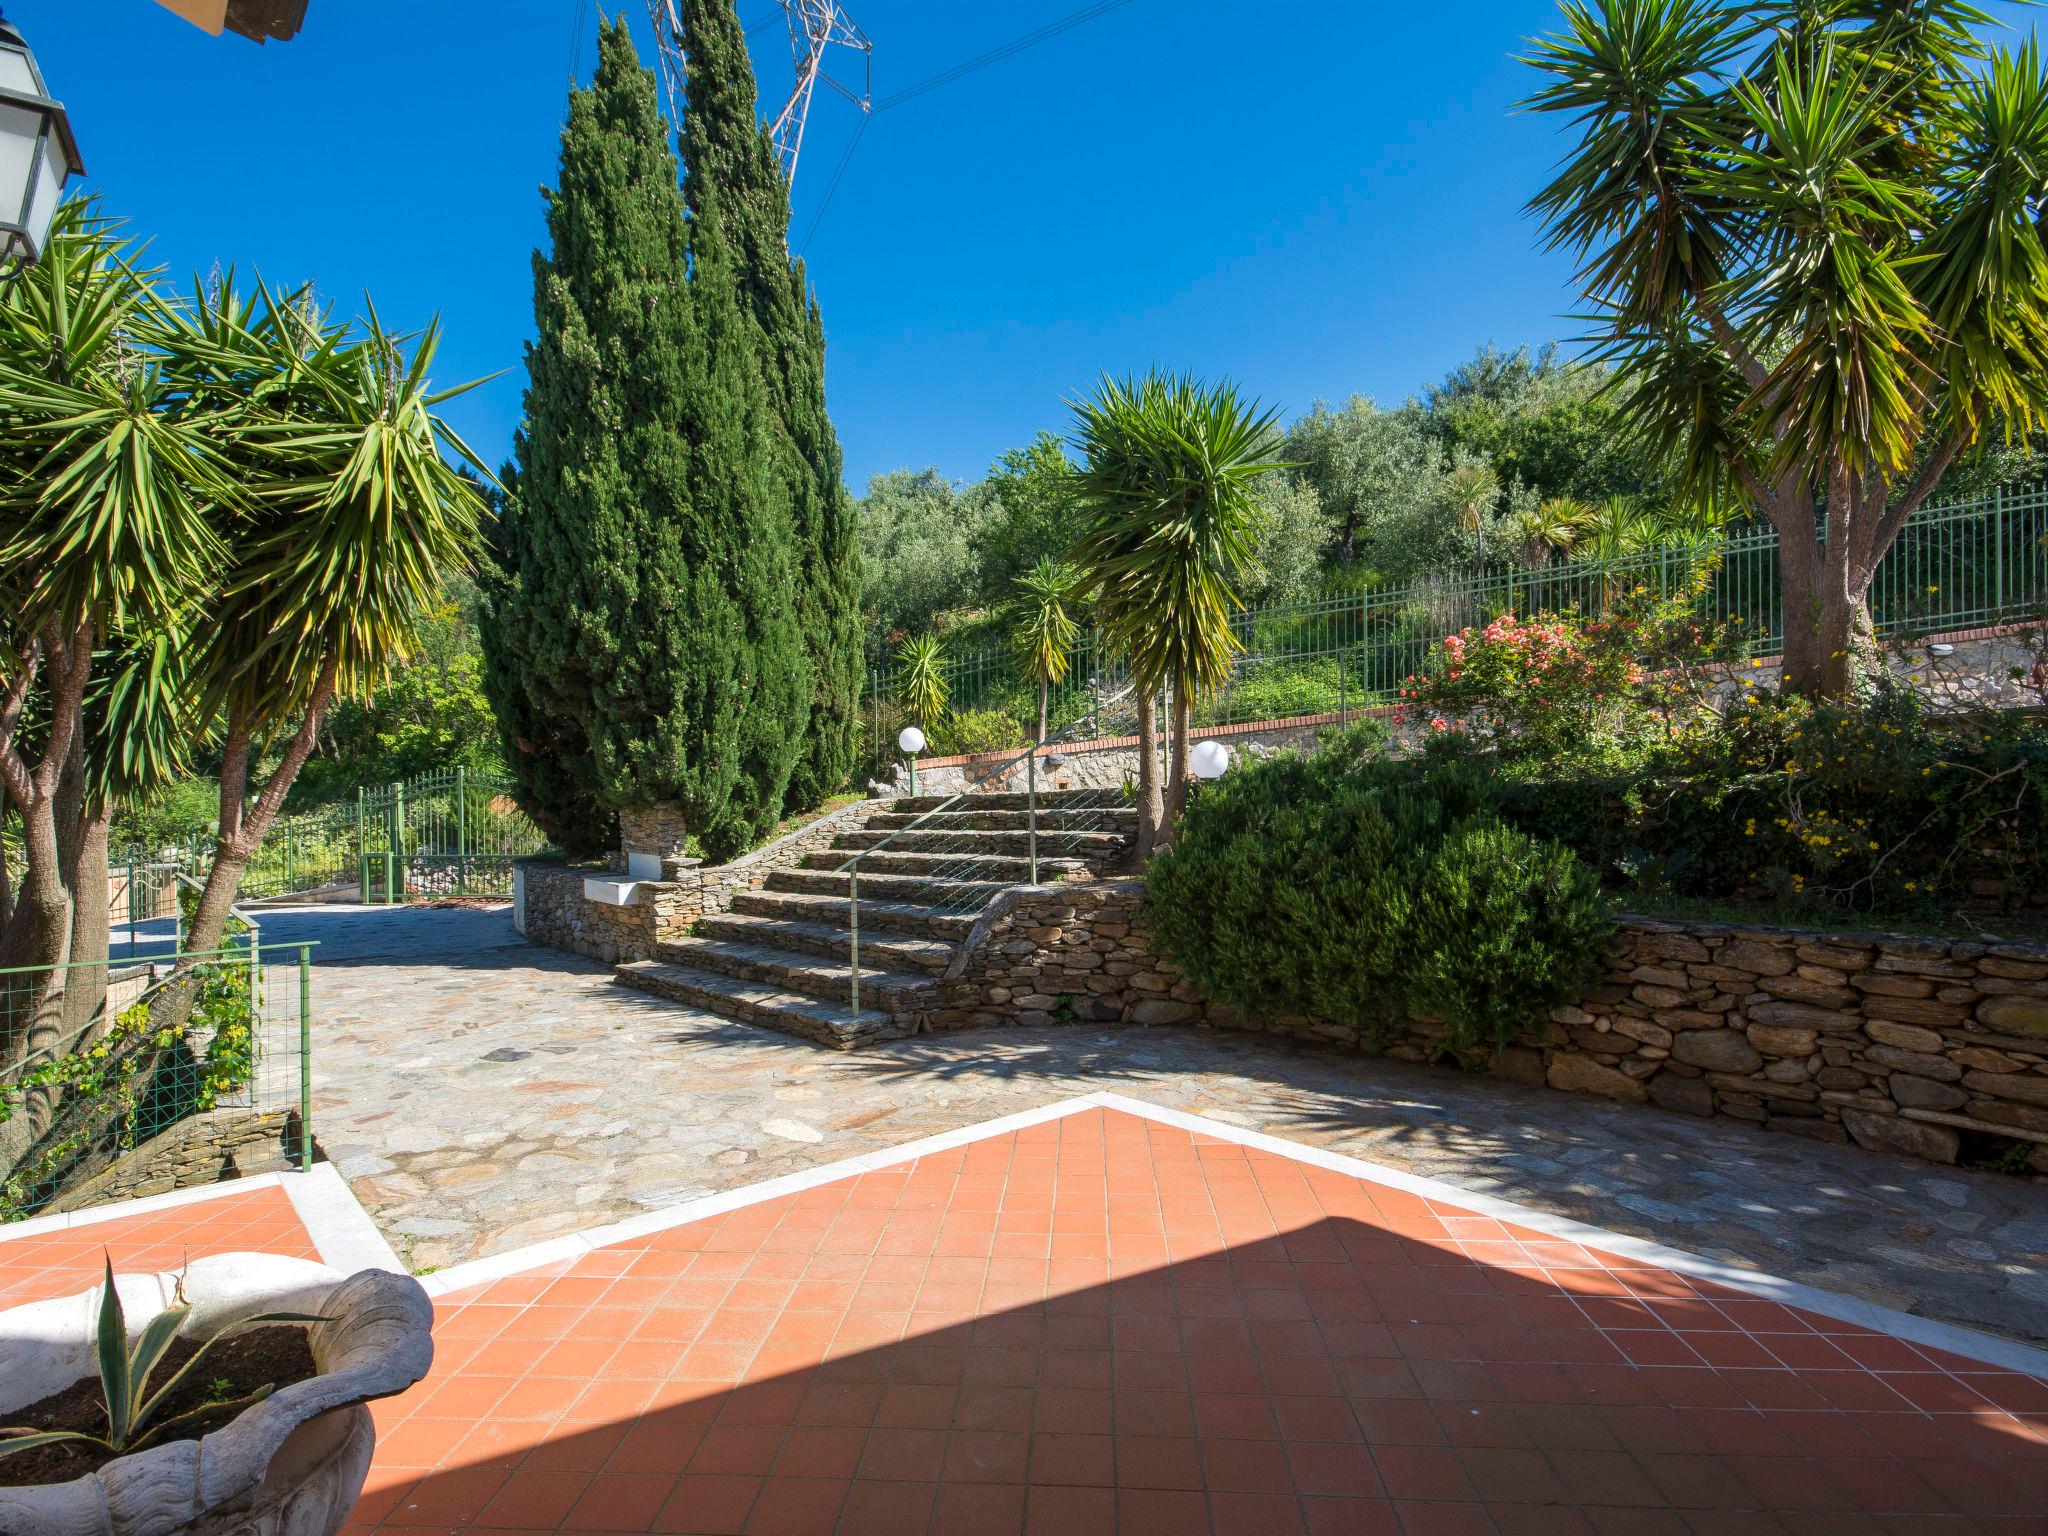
(293,1465)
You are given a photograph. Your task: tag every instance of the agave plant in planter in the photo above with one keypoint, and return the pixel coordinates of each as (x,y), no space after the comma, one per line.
(182,1455)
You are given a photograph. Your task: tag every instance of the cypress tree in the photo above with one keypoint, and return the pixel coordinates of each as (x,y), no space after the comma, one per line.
(728,158)
(641,645)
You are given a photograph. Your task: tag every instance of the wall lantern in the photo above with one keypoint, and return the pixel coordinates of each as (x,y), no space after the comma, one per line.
(37,155)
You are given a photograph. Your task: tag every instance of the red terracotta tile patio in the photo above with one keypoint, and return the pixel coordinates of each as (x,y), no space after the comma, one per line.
(61,1262)
(1106,1323)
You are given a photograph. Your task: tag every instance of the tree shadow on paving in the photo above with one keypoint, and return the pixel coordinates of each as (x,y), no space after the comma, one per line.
(1357,1373)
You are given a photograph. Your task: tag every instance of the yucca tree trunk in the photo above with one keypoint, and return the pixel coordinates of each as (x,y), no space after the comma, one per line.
(1151,802)
(1177,759)
(1044,699)
(240,832)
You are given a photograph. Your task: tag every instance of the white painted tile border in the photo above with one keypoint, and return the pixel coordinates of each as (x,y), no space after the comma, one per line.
(1967,1342)
(558,1250)
(342,1232)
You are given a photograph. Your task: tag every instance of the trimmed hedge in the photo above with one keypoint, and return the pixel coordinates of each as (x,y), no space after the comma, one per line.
(1313,886)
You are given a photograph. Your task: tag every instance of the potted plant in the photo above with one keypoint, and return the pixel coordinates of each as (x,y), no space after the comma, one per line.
(235,1409)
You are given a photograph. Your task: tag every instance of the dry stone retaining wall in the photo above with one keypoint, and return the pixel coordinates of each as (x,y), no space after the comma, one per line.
(206,1148)
(550,907)
(1931,1048)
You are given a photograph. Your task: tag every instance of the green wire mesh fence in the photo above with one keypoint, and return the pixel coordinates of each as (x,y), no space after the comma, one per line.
(1969,565)
(141,1095)
(451,833)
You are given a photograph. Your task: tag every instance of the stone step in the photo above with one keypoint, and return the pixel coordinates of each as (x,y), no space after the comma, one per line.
(897,919)
(967,817)
(1012,800)
(752,1002)
(1013,842)
(952,864)
(911,890)
(892,951)
(810,975)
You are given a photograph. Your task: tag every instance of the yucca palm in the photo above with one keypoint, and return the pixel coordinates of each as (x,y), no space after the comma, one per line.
(110,492)
(356,513)
(1170,519)
(216,513)
(1810,234)
(921,679)
(1045,625)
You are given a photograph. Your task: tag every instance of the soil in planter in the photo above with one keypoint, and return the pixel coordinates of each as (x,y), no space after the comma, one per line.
(275,1355)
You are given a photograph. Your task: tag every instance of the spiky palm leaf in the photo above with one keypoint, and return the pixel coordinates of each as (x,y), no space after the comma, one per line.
(1167,494)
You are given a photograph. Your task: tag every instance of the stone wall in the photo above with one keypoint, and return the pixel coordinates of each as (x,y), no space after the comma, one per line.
(549,906)
(1933,1048)
(201,1149)
(1993,668)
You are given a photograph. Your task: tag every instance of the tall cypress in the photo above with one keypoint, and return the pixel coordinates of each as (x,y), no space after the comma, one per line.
(729,158)
(641,646)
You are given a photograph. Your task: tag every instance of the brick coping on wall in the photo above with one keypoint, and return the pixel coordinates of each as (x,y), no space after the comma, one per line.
(1365,712)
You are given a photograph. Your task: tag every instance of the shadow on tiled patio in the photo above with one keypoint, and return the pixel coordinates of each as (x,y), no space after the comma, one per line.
(1104,1324)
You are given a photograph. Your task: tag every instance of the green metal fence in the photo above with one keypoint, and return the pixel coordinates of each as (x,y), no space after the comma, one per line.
(443,834)
(75,1100)
(1962,566)
(453,833)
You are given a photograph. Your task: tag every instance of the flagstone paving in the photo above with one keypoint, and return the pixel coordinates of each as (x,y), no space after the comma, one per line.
(480,1094)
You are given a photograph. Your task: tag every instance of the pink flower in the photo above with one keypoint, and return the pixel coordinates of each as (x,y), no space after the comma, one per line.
(1439,724)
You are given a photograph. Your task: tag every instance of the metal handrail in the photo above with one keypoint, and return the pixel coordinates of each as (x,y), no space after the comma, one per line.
(1029,756)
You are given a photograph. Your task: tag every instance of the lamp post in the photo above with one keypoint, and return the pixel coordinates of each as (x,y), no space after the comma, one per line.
(911,740)
(37,155)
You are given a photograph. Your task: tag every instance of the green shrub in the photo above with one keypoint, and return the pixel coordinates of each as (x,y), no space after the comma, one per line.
(1503,928)
(976,730)
(1297,886)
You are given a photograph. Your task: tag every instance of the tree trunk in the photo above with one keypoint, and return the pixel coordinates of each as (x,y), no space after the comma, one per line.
(1044,698)
(1802,593)
(240,833)
(1829,638)
(1177,772)
(1151,804)
(86,992)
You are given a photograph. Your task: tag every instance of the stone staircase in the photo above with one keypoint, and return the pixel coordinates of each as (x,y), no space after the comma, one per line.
(781,956)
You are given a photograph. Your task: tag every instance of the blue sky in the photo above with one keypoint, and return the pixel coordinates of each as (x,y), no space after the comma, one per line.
(1315,200)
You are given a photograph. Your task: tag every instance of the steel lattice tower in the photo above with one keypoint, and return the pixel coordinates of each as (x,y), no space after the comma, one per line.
(815,27)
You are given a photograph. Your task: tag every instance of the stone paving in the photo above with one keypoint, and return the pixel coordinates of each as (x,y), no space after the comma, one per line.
(480,1094)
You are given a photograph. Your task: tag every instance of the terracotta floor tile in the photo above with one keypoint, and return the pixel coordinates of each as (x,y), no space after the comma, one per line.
(1102,1324)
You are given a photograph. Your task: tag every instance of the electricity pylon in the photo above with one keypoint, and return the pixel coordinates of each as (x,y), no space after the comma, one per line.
(815,26)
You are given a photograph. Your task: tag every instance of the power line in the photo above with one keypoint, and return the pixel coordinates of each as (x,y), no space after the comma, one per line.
(576,41)
(959,71)
(997,55)
(832,186)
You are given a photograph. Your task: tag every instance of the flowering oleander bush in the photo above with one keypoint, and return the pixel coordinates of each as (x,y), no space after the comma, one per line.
(1533,687)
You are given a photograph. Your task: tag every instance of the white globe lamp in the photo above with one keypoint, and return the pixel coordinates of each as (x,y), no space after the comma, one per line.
(911,740)
(1208,759)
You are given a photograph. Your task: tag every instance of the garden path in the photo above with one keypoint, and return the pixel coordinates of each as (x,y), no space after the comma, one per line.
(481,1094)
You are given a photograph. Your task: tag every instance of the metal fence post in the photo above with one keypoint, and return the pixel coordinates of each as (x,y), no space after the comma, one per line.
(362,849)
(461,831)
(853,928)
(394,893)
(1031,803)
(1998,555)
(305,1058)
